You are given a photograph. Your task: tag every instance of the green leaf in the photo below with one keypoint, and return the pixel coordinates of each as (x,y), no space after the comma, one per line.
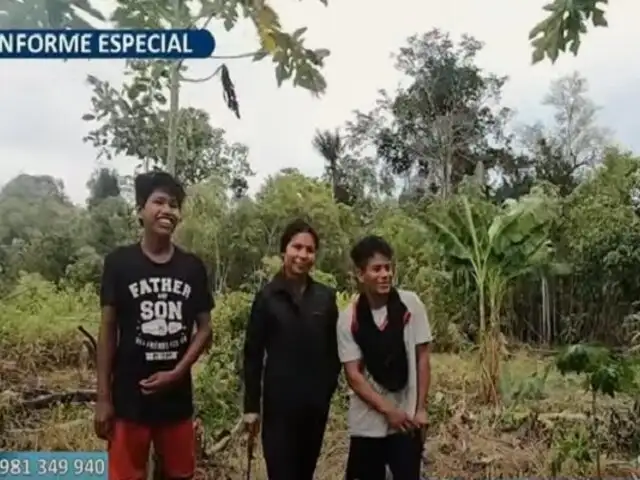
(564,25)
(575,46)
(281,73)
(598,18)
(553,51)
(297,35)
(537,56)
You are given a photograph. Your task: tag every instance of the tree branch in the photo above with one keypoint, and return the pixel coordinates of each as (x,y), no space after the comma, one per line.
(219,57)
(204,26)
(236,56)
(45,401)
(203,79)
(91,343)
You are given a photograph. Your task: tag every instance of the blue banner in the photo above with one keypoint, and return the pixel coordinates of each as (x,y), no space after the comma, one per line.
(53,465)
(70,44)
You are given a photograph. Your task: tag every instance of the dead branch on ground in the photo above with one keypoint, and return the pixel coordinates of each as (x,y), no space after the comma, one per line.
(90,343)
(47,400)
(221,444)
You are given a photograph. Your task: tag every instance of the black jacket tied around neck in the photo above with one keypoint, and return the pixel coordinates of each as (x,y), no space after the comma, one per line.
(383,349)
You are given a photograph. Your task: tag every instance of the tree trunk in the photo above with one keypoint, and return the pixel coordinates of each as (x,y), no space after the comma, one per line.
(174,109)
(546,311)
(174,102)
(491,349)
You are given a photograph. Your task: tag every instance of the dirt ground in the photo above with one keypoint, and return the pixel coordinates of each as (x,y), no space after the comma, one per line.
(540,419)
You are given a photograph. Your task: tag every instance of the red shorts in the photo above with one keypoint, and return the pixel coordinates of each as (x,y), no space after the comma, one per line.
(129,449)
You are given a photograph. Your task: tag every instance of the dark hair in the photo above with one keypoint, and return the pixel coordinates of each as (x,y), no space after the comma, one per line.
(147,183)
(366,249)
(293,229)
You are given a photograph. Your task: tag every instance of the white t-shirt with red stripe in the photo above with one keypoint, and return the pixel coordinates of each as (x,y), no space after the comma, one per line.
(363,420)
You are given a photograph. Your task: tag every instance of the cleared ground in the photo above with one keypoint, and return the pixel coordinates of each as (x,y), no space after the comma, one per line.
(542,418)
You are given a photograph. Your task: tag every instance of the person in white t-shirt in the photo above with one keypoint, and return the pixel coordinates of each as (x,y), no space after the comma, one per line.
(384,340)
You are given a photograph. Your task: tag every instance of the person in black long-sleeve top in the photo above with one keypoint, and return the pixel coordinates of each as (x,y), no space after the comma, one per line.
(293,320)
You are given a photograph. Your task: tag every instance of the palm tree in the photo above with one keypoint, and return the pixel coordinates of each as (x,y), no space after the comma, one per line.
(331,146)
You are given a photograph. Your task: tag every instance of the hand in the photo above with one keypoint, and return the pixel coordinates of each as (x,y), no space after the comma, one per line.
(422,421)
(103,419)
(251,425)
(158,381)
(399,420)
(420,418)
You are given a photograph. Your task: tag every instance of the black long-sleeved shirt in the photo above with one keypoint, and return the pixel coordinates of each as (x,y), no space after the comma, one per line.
(298,336)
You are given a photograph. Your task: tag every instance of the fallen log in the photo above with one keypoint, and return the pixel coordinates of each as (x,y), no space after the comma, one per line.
(47,400)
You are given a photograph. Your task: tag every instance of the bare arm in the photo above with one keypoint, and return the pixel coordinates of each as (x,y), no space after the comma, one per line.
(423,339)
(107,340)
(199,343)
(361,387)
(108,333)
(423,354)
(203,337)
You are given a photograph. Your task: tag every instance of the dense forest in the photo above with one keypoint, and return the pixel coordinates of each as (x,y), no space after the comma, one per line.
(518,238)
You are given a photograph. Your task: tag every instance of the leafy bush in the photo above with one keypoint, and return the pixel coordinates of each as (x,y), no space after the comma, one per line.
(39,320)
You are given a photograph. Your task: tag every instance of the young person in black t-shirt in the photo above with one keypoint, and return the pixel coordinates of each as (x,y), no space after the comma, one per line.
(152,295)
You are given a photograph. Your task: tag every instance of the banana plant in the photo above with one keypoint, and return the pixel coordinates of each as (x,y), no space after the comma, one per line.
(493,247)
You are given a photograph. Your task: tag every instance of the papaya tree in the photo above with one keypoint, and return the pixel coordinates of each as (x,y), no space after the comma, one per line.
(492,246)
(604,372)
(292,58)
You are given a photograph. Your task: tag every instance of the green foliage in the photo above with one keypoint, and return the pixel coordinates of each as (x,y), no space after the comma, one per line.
(134,121)
(574,446)
(564,27)
(31,14)
(40,320)
(103,184)
(496,246)
(443,125)
(218,386)
(606,373)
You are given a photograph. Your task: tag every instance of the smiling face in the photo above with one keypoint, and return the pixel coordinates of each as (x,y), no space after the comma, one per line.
(377,275)
(160,214)
(300,254)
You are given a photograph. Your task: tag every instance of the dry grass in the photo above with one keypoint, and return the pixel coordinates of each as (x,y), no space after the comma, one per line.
(465,439)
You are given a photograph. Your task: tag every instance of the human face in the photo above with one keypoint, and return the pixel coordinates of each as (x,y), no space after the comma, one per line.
(377,275)
(300,254)
(161,214)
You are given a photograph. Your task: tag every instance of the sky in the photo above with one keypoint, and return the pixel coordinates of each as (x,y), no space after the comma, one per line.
(42,101)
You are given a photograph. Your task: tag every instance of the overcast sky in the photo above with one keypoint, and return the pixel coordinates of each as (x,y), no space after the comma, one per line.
(42,101)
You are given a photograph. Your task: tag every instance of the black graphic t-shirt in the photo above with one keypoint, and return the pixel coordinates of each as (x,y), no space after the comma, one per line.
(156,307)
